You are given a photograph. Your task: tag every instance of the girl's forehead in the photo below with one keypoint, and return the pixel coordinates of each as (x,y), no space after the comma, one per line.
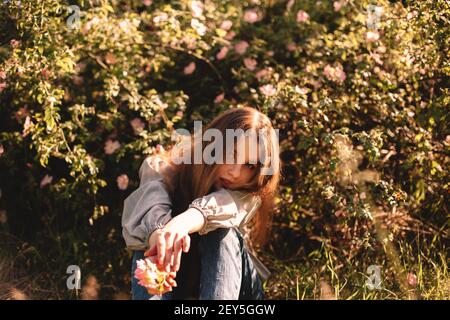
(248,147)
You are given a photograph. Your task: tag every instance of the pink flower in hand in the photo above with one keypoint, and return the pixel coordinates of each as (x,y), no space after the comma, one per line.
(149,276)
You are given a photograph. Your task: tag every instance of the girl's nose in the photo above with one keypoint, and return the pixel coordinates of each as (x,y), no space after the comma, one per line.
(235,171)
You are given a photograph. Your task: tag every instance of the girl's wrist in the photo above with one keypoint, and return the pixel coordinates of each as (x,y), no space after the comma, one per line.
(187,222)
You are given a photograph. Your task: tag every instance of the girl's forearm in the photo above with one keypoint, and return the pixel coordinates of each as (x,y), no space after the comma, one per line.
(189,221)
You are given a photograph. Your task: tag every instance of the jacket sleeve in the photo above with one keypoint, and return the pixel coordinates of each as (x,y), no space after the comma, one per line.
(149,207)
(226,209)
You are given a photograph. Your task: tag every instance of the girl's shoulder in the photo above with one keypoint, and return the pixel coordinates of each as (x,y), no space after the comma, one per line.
(243,197)
(154,167)
(245,201)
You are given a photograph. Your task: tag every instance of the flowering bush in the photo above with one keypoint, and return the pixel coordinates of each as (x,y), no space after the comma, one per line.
(358,95)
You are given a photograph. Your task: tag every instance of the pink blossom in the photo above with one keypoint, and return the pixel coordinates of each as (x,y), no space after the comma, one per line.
(2,77)
(219,98)
(251,16)
(14,43)
(26,126)
(161,17)
(291,47)
(222,53)
(300,90)
(147,2)
(412,279)
(268,90)
(197,8)
(372,36)
(138,125)
(122,182)
(2,150)
(337,5)
(262,74)
(381,49)
(88,25)
(230,35)
(241,47)
(226,25)
(302,16)
(250,63)
(289,5)
(340,213)
(111,146)
(190,68)
(180,114)
(198,26)
(270,53)
(46,180)
(376,57)
(411,15)
(316,84)
(335,74)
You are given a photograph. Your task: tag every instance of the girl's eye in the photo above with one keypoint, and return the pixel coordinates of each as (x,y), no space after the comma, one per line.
(250,166)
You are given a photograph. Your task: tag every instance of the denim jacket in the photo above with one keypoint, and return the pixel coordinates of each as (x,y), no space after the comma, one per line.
(149,207)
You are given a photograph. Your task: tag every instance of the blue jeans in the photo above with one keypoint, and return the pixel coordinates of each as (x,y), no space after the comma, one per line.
(226,270)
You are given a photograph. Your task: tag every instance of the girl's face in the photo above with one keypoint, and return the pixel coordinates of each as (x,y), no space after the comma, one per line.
(234,175)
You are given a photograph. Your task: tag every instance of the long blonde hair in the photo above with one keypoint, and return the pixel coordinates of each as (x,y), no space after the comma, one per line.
(191,181)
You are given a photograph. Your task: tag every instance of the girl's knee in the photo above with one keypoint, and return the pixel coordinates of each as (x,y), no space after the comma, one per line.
(221,237)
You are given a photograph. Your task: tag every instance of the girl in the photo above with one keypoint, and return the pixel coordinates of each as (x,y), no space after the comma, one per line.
(204,210)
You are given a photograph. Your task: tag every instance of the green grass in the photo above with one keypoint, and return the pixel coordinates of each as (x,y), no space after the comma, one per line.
(324,274)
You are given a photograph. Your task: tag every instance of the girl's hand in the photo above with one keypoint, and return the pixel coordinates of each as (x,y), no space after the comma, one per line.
(168,244)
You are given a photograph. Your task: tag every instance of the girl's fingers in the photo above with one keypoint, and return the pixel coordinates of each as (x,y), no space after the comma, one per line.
(150,252)
(186,243)
(161,251)
(169,251)
(177,253)
(172,283)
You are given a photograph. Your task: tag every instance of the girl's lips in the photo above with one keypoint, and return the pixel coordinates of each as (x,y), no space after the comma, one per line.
(225,183)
